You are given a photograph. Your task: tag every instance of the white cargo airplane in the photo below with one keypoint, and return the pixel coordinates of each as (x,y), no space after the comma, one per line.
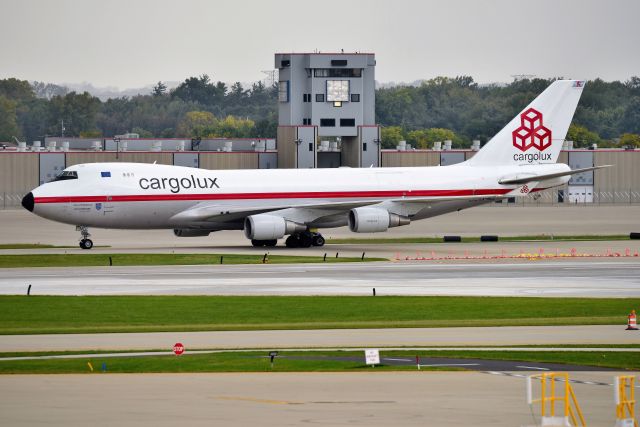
(270,204)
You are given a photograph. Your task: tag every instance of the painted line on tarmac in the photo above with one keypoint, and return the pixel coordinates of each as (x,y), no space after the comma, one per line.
(256,400)
(532,367)
(450,364)
(510,374)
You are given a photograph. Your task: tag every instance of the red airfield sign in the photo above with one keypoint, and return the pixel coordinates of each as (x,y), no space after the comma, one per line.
(178,348)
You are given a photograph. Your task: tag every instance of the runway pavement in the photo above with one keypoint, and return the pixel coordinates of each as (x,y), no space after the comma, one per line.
(329,338)
(607,278)
(331,399)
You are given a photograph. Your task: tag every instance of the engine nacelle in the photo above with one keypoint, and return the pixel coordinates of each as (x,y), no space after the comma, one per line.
(374,220)
(269,227)
(190,232)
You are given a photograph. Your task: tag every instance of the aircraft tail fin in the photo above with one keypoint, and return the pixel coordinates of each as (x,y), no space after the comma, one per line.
(536,134)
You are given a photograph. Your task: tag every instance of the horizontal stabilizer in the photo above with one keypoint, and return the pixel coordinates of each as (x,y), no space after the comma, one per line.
(519,179)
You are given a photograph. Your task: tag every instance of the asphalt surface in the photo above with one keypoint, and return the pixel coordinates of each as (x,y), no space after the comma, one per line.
(606,278)
(328,338)
(466,363)
(368,398)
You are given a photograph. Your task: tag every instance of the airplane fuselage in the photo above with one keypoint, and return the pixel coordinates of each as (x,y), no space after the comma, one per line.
(144,196)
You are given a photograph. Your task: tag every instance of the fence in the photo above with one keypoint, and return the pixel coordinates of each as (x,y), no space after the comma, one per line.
(551,197)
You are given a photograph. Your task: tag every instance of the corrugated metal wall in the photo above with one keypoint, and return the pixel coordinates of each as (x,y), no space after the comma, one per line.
(19,173)
(286,146)
(222,160)
(392,159)
(624,175)
(163,158)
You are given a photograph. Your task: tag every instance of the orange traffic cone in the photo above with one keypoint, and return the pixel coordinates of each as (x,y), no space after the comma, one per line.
(631,321)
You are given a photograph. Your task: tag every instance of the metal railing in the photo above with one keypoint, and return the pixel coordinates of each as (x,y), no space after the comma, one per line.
(624,390)
(552,394)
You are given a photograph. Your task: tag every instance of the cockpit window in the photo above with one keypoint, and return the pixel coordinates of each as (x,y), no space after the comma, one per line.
(66,175)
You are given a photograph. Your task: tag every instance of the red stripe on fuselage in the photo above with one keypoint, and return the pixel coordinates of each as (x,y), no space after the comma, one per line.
(283,195)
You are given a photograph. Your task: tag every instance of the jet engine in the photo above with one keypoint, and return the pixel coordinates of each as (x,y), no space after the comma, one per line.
(374,220)
(269,227)
(190,232)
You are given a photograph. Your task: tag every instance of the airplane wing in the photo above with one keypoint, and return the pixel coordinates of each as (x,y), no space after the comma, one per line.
(301,211)
(223,212)
(524,179)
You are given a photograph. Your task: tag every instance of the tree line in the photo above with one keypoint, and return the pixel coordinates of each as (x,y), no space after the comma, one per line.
(457,109)
(461,110)
(31,111)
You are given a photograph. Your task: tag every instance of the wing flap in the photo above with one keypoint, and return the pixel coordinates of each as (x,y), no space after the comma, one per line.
(532,178)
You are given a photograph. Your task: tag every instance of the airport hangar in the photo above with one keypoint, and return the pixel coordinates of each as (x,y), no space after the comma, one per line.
(326,114)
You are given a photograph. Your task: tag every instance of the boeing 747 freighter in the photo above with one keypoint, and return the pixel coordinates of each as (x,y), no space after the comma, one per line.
(271,204)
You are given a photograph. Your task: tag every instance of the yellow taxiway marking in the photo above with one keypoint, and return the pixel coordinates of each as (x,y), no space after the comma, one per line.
(254,399)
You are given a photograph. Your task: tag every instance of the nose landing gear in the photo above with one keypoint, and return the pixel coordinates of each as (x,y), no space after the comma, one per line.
(85,242)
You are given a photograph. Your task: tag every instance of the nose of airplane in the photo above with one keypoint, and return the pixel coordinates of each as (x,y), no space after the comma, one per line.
(28,202)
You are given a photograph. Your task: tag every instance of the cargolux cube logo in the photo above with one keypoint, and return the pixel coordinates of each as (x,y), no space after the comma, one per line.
(531,133)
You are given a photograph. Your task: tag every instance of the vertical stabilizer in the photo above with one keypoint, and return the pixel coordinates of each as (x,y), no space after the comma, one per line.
(536,134)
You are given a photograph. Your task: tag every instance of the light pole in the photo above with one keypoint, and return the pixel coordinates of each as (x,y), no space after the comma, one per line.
(116,139)
(379,151)
(298,141)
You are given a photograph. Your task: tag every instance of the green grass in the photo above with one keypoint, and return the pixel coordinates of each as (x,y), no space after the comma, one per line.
(249,362)
(93,260)
(85,314)
(213,362)
(541,238)
(30,246)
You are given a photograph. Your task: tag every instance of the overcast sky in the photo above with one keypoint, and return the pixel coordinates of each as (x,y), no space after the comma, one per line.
(132,43)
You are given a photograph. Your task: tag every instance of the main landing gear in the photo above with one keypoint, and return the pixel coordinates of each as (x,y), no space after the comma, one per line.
(306,239)
(85,242)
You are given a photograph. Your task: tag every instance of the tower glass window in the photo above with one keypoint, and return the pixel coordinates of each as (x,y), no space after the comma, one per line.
(337,72)
(337,90)
(283,91)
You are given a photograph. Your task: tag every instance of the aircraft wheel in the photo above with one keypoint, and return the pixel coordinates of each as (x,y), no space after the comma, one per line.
(271,243)
(257,243)
(86,244)
(292,241)
(317,240)
(306,240)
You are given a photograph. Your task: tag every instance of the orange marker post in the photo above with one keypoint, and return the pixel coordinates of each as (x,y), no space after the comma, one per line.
(631,321)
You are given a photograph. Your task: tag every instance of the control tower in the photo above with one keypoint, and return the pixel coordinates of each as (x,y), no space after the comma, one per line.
(326,110)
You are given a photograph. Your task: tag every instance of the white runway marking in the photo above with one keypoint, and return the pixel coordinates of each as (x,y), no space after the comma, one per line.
(532,367)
